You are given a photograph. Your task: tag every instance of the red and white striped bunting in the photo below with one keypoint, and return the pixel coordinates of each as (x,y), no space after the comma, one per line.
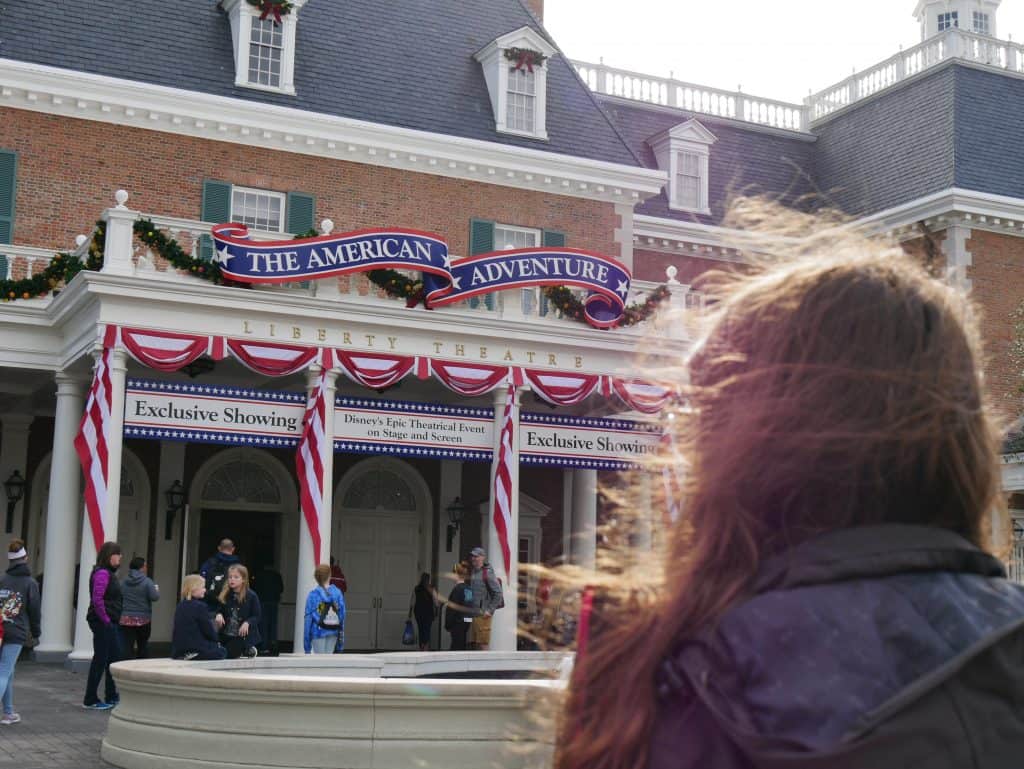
(503,480)
(273,359)
(472,379)
(562,389)
(642,396)
(309,462)
(164,350)
(91,446)
(374,370)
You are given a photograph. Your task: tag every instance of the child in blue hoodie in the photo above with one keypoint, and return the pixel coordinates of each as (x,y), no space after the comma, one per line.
(325,614)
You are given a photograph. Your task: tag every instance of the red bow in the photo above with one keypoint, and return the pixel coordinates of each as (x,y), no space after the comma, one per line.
(526,59)
(271,8)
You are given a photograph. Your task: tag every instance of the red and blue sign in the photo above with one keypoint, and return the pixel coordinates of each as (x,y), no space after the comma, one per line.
(445,281)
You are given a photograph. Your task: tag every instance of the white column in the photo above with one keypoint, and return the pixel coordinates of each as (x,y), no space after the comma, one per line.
(306,564)
(584,518)
(164,570)
(14,456)
(115,443)
(117,249)
(61,522)
(506,621)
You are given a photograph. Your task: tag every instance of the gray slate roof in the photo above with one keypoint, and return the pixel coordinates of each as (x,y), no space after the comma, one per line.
(744,160)
(405,63)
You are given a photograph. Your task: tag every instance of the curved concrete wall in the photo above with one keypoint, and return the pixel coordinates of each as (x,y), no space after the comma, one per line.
(332,712)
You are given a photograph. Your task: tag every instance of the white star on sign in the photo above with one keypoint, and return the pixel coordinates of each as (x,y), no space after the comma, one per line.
(224,255)
(623,288)
(455,283)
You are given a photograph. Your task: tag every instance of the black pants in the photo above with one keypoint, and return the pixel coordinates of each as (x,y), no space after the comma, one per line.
(268,626)
(106,648)
(136,637)
(458,632)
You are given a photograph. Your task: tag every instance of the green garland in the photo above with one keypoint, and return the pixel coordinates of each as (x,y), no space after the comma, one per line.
(566,302)
(525,57)
(61,269)
(275,8)
(65,266)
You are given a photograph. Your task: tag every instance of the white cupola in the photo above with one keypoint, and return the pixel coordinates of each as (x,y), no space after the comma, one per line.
(936,16)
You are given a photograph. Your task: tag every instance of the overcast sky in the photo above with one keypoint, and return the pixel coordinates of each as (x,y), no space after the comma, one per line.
(774,49)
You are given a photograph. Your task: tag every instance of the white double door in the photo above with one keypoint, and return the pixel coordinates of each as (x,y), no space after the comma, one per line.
(379,553)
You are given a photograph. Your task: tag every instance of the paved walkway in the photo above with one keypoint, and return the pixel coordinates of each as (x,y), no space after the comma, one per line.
(55,730)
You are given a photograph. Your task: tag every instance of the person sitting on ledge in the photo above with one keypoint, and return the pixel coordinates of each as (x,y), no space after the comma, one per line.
(238,618)
(193,636)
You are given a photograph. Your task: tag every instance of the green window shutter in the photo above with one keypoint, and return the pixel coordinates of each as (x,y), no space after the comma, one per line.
(301,213)
(8,167)
(216,209)
(481,240)
(554,239)
(481,236)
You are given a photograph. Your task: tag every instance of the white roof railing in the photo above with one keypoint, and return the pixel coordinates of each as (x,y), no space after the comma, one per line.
(954,43)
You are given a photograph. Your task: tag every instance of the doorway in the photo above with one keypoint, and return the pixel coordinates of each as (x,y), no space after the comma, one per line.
(255,535)
(382,508)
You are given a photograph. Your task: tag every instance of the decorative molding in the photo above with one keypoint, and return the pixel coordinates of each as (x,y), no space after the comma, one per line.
(117,101)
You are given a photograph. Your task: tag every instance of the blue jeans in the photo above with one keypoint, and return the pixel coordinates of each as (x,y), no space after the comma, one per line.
(8,659)
(106,648)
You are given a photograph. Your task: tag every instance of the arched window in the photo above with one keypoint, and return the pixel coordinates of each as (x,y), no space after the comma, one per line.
(379,489)
(239,482)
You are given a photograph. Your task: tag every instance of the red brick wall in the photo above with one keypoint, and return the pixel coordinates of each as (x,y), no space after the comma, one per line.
(998,286)
(68,170)
(651,265)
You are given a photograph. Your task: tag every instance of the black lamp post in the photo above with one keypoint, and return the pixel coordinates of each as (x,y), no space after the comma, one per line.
(175,497)
(15,488)
(456,511)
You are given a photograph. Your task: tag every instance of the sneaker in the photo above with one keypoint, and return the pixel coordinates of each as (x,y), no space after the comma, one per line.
(99,706)
(251,652)
(114,702)
(190,655)
(10,718)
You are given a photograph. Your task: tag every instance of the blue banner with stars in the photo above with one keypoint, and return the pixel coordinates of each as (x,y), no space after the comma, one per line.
(234,416)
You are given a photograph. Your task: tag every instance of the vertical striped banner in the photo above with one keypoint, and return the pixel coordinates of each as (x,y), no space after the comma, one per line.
(503,481)
(91,446)
(309,460)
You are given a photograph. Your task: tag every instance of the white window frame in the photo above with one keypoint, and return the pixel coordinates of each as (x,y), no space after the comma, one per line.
(949,18)
(242,15)
(537,235)
(530,77)
(496,69)
(690,137)
(981,16)
(268,193)
(273,27)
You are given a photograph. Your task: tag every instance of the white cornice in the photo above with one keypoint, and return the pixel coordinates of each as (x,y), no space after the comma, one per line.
(978,210)
(142,105)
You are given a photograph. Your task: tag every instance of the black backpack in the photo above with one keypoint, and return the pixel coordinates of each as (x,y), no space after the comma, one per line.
(215,577)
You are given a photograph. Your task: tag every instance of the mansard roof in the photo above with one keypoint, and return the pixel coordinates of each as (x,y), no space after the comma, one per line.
(401,64)
(745,159)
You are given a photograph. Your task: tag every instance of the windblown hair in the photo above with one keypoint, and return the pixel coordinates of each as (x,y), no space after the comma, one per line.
(225,591)
(834,387)
(190,584)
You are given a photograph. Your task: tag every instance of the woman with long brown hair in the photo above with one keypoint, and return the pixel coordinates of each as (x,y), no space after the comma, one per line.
(828,600)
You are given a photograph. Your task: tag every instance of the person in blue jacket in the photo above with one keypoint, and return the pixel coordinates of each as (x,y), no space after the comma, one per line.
(325,614)
(193,636)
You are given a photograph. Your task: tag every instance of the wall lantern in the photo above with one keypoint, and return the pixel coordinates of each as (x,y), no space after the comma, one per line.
(456,512)
(15,488)
(175,497)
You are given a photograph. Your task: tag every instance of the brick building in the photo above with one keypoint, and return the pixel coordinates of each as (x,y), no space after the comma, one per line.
(465,121)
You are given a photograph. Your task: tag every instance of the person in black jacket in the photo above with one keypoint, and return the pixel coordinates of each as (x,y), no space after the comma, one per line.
(193,635)
(103,617)
(459,611)
(238,615)
(19,621)
(826,599)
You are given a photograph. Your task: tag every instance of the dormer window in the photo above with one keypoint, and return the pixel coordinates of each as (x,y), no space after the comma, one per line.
(515,69)
(684,151)
(263,33)
(980,23)
(948,20)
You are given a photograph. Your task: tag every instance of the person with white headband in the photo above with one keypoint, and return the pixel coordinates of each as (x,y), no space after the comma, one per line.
(19,610)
